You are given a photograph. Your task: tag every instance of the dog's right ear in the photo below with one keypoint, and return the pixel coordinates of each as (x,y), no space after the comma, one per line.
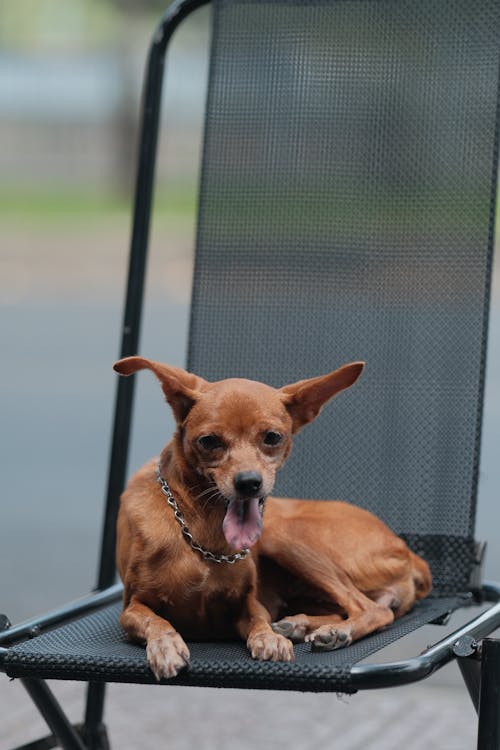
(181,388)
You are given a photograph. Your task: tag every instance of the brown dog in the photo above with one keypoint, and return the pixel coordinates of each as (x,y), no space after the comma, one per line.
(187,568)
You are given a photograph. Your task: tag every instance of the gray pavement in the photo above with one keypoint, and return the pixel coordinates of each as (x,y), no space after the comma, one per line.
(419,717)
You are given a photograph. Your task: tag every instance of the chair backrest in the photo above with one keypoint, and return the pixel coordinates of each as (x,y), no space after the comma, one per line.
(347,212)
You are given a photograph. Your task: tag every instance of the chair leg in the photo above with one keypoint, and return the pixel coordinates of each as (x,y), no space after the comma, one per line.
(468,653)
(489,700)
(93,730)
(53,714)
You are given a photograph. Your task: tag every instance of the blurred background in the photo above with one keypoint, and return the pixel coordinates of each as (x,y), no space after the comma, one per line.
(70,82)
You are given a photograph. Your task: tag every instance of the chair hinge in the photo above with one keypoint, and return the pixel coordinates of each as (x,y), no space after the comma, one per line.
(476,575)
(467,647)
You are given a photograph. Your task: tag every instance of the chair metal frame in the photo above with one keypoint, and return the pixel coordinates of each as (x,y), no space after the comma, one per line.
(478,659)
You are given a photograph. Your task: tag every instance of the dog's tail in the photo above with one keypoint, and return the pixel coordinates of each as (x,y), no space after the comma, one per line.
(421,576)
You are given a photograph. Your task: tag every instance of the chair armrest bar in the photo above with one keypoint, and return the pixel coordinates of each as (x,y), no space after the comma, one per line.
(491,591)
(372,676)
(79,607)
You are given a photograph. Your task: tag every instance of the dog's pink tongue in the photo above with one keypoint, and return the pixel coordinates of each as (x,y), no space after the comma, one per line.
(242,524)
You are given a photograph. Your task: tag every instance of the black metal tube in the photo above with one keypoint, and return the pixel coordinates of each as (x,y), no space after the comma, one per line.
(489,700)
(137,267)
(53,714)
(148,142)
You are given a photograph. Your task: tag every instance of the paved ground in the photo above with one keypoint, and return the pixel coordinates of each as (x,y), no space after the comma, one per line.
(430,717)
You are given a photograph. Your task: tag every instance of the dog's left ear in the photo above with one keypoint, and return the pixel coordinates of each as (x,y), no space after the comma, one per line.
(304,399)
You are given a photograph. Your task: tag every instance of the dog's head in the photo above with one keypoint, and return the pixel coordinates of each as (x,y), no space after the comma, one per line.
(235,434)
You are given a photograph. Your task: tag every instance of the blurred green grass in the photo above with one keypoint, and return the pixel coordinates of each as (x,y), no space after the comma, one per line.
(49,206)
(176,208)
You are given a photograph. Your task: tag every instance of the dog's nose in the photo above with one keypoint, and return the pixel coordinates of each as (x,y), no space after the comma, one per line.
(247,483)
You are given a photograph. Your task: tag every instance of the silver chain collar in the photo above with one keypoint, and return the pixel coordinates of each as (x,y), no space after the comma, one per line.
(205,553)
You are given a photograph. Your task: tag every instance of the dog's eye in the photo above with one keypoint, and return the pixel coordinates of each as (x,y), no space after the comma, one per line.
(210,442)
(272,438)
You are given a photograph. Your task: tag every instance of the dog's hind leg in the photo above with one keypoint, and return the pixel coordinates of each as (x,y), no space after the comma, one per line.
(360,614)
(328,632)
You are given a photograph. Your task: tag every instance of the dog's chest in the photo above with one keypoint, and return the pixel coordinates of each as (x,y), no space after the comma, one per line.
(208,603)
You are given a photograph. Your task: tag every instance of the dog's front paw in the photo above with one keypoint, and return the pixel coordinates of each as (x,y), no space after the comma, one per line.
(329,637)
(268,646)
(167,655)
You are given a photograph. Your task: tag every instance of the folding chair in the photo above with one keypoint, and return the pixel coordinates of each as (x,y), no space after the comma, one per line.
(346,211)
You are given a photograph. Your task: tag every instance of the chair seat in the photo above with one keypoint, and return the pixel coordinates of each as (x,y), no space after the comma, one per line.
(95,648)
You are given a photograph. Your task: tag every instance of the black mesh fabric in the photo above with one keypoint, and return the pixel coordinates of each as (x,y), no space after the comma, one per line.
(346,212)
(95,648)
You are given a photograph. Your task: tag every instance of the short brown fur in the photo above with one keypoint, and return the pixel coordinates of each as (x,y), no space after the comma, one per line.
(325,572)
